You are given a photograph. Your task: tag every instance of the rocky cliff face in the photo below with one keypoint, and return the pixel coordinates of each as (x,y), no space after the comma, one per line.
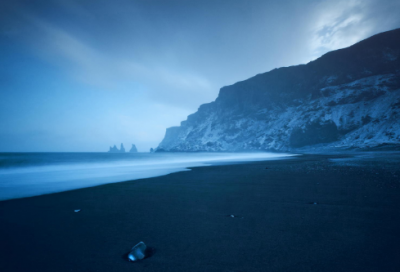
(347,98)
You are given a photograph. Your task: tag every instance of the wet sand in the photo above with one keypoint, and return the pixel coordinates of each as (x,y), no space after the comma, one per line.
(186,217)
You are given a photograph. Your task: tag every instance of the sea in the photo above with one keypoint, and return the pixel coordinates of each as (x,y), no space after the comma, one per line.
(32,174)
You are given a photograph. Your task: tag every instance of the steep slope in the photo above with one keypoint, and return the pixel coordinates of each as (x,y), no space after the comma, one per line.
(346,98)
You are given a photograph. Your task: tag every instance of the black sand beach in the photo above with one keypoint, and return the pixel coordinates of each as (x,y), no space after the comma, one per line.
(186,217)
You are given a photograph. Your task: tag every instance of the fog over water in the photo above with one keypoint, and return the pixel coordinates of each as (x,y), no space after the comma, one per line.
(31,174)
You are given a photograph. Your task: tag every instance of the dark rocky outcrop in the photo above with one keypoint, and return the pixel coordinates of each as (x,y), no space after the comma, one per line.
(133,149)
(114,149)
(348,98)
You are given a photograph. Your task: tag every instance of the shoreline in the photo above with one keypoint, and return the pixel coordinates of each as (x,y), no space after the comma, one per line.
(186,217)
(40,175)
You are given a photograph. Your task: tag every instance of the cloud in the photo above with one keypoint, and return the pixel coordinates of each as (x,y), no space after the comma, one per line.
(80,57)
(341,23)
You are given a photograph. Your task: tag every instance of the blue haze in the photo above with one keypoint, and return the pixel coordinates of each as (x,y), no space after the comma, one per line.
(81,75)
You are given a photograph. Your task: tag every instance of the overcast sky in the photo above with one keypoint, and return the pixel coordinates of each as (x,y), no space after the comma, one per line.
(81,75)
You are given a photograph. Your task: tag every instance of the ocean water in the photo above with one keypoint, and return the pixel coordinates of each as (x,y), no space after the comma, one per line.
(31,174)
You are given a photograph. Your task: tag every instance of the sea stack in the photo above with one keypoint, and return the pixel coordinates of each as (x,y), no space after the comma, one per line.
(113,149)
(133,149)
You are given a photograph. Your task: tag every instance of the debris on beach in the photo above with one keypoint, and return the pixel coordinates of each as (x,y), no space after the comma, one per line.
(77,210)
(235,216)
(138,252)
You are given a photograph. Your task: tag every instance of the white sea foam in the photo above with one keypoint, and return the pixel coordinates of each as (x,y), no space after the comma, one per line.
(80,170)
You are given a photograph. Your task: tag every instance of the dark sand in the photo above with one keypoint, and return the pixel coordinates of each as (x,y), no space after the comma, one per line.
(355,225)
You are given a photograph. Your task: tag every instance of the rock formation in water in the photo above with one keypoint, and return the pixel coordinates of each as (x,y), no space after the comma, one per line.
(114,149)
(133,149)
(348,98)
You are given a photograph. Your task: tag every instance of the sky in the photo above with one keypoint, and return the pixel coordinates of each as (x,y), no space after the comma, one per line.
(82,75)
